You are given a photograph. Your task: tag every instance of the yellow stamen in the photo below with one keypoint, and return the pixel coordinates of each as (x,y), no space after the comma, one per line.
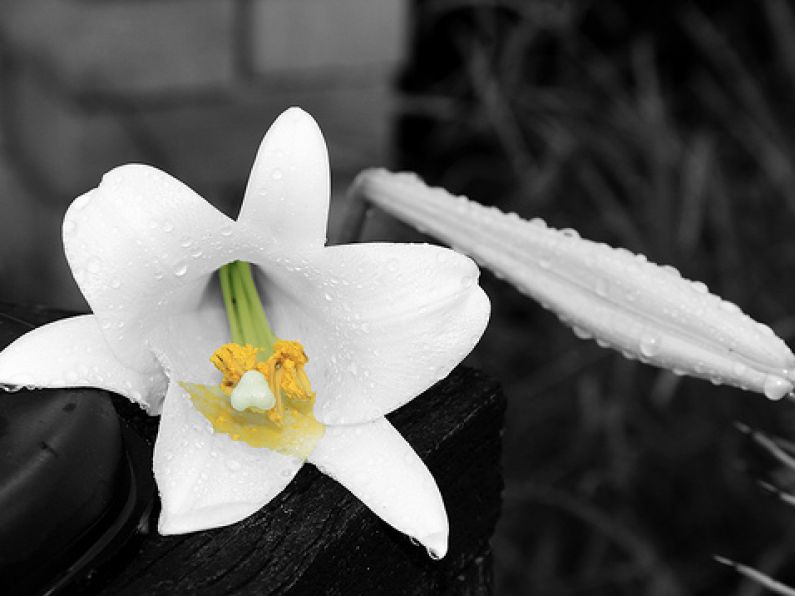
(285,372)
(233,360)
(289,426)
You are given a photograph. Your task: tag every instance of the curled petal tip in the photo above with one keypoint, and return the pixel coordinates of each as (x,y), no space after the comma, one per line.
(436,544)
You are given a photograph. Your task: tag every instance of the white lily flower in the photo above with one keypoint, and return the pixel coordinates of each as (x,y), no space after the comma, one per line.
(380,323)
(648,312)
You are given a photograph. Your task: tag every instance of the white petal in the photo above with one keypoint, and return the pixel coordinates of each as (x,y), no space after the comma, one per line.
(185,341)
(73,353)
(380,468)
(207,480)
(288,191)
(140,245)
(380,322)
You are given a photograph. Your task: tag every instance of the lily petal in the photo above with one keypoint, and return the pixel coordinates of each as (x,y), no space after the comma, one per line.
(380,468)
(287,197)
(73,353)
(138,246)
(380,322)
(207,480)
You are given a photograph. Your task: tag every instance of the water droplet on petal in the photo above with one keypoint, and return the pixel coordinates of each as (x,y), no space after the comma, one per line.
(570,233)
(168,226)
(729,307)
(180,269)
(81,201)
(467,281)
(649,345)
(115,284)
(602,287)
(581,333)
(276,174)
(775,387)
(233,465)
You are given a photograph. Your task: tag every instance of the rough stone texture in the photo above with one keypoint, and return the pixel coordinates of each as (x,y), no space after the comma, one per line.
(68,143)
(313,34)
(189,86)
(121,47)
(316,538)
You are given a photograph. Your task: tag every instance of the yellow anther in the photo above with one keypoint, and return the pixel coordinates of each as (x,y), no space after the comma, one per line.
(274,412)
(285,372)
(234,360)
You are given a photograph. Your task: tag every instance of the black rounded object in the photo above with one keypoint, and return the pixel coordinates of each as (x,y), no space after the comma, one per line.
(60,464)
(75,483)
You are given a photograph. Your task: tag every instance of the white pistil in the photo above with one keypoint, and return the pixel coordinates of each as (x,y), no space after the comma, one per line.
(252,391)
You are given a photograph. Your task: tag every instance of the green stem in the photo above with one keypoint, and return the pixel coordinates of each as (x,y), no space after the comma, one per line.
(224,275)
(247,320)
(243,308)
(258,312)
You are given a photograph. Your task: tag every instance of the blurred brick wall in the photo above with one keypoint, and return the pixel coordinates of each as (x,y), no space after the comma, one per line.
(189,86)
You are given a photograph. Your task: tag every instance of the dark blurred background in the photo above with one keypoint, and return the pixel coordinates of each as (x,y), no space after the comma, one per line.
(664,127)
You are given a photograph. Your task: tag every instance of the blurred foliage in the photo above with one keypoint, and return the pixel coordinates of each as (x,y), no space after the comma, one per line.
(665,128)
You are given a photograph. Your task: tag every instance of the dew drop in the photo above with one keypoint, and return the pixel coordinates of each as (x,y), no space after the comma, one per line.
(276,174)
(81,201)
(115,283)
(649,345)
(581,333)
(432,554)
(729,307)
(168,226)
(233,465)
(775,387)
(180,269)
(327,297)
(570,233)
(467,281)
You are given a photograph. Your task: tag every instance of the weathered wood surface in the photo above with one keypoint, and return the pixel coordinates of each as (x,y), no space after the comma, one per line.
(316,538)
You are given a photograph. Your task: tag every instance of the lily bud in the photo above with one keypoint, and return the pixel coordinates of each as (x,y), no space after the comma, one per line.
(646,311)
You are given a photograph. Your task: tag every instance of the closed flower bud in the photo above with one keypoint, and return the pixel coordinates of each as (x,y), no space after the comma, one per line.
(646,311)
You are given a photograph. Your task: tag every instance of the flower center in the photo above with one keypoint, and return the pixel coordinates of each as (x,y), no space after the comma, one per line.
(265,398)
